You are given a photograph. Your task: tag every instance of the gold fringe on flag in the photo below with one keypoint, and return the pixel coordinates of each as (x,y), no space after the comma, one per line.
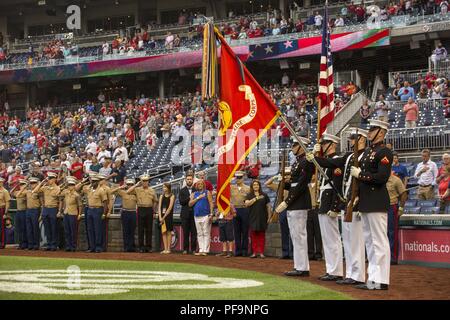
(209,62)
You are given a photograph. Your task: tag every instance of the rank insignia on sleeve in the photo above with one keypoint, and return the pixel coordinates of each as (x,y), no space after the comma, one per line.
(338,172)
(385,160)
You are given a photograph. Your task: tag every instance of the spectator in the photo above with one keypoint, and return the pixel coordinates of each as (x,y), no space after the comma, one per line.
(106,169)
(382,108)
(318,20)
(399,169)
(411,111)
(9,231)
(427,172)
(364,112)
(395,92)
(118,172)
(169,41)
(201,201)
(444,189)
(303,128)
(259,211)
(76,168)
(339,22)
(165,215)
(406,92)
(28,150)
(439,54)
(445,164)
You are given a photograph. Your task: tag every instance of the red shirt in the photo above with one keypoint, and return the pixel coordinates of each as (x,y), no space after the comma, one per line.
(77,170)
(443,186)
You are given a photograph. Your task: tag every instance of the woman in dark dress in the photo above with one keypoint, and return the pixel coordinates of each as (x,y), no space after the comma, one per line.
(258,204)
(166,203)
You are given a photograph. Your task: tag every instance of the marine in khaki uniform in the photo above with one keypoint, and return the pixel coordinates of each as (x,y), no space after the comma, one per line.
(397,193)
(238,195)
(128,214)
(97,201)
(105,218)
(70,206)
(4,208)
(146,206)
(20,217)
(50,191)
(33,203)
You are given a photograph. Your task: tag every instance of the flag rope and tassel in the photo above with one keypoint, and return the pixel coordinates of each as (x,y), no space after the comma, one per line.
(209,63)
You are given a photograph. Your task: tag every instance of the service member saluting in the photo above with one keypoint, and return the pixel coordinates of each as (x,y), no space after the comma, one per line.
(297,204)
(51,192)
(70,206)
(32,215)
(146,203)
(21,213)
(373,174)
(128,214)
(97,201)
(4,208)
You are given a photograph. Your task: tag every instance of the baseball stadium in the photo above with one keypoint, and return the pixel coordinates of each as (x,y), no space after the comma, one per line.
(224,150)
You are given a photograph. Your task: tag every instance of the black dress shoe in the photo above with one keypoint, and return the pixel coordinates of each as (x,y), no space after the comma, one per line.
(372,286)
(285,257)
(311,258)
(68,250)
(329,277)
(297,273)
(348,281)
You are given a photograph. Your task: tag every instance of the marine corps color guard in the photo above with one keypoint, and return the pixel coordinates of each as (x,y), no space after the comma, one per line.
(297,205)
(373,174)
(329,210)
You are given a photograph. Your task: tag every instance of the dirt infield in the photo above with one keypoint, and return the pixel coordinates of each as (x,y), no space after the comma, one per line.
(407,282)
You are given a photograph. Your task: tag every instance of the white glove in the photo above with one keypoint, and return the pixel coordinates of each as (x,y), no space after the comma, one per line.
(317,148)
(354,171)
(309,157)
(333,214)
(281,207)
(357,215)
(400,211)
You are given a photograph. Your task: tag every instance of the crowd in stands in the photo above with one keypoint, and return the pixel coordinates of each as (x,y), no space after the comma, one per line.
(114,127)
(244,27)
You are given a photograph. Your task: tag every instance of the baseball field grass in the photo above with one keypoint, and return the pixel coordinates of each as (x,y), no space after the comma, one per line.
(85,279)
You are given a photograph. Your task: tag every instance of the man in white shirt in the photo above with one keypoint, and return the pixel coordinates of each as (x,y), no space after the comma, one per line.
(87,163)
(91,146)
(339,22)
(121,153)
(103,154)
(427,173)
(285,79)
(109,120)
(318,20)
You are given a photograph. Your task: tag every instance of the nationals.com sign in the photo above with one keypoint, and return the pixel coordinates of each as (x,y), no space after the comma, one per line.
(425,245)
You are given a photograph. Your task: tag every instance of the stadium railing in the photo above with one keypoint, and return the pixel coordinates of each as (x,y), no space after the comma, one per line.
(413,75)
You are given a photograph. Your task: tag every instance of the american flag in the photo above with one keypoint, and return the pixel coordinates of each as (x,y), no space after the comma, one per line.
(326,87)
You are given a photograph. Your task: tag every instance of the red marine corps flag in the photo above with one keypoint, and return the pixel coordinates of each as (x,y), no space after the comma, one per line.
(246,113)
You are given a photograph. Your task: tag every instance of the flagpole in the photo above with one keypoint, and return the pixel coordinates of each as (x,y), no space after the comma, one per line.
(316,176)
(302,145)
